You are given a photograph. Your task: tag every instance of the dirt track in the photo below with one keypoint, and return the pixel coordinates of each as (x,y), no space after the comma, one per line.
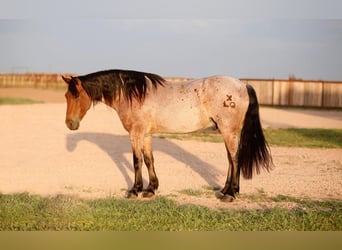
(39,155)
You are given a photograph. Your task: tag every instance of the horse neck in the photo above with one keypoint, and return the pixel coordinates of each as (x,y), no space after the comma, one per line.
(115,103)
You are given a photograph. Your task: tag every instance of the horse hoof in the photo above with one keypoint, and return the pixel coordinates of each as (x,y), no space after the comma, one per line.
(147,194)
(227,198)
(224,197)
(219,195)
(131,195)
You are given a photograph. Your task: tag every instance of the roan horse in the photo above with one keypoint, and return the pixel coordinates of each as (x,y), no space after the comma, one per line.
(147,104)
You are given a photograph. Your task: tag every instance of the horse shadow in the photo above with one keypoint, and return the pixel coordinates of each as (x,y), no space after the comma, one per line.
(116,146)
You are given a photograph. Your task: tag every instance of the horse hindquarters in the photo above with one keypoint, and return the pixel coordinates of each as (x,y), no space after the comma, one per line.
(249,152)
(228,110)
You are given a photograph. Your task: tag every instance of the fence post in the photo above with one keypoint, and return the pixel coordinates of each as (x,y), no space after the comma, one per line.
(322,93)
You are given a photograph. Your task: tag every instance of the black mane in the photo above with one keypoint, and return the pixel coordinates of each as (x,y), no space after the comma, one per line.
(110,84)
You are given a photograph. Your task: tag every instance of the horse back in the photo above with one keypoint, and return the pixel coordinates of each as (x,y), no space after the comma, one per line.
(194,105)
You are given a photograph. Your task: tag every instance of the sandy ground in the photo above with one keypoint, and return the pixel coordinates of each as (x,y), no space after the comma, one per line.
(39,155)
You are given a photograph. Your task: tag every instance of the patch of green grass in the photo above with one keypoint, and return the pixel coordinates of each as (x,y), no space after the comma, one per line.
(15,101)
(293,137)
(260,196)
(322,138)
(193,192)
(212,188)
(206,191)
(31,212)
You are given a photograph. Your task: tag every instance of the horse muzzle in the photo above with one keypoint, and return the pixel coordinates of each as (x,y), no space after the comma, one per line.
(72,125)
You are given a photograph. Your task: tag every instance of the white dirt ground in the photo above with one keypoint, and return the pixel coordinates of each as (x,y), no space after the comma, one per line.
(39,155)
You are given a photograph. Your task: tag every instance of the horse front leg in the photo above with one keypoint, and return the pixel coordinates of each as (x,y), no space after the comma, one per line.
(149,162)
(136,142)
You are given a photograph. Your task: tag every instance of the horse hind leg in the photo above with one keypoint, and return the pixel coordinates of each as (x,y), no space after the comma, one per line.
(232,185)
(149,162)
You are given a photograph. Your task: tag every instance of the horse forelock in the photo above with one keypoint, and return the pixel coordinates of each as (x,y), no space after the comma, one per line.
(72,87)
(93,89)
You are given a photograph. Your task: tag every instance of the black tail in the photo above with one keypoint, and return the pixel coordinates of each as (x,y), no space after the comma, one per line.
(254,152)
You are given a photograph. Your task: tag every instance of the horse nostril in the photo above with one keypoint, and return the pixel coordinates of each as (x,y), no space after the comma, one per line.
(76,125)
(72,125)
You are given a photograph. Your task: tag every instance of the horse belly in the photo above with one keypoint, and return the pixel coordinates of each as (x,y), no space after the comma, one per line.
(182,117)
(181,122)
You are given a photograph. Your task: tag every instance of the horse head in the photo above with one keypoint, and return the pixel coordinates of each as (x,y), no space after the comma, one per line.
(78,102)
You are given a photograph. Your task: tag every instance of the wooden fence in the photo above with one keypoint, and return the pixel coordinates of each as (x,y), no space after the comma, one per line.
(31,81)
(298,93)
(273,92)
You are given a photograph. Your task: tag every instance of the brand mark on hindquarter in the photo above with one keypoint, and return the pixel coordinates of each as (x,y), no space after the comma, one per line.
(229,103)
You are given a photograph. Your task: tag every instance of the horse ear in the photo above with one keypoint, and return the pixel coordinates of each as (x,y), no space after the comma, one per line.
(77,82)
(67,79)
